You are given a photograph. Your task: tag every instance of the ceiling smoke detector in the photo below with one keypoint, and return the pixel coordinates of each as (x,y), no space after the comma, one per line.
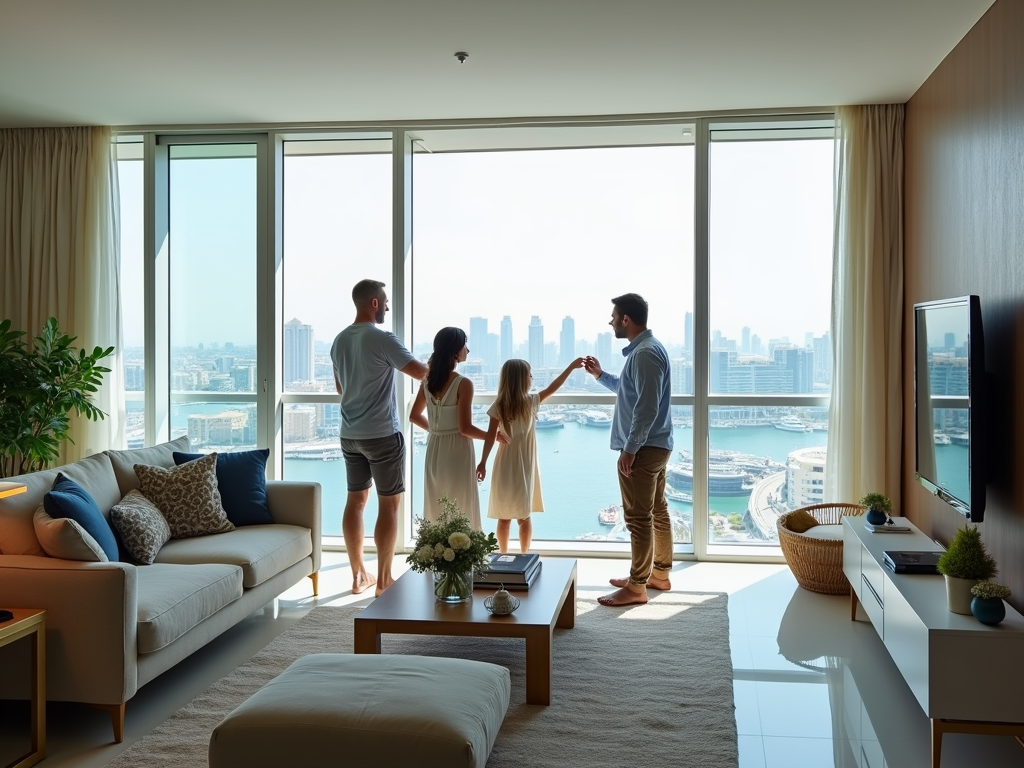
(462,56)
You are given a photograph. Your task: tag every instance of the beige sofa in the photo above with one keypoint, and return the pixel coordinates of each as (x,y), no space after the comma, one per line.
(113,626)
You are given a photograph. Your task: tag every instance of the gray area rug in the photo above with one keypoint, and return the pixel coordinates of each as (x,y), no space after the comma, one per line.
(647,685)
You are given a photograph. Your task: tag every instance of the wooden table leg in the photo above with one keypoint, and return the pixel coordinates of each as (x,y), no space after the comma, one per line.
(567,613)
(936,742)
(538,665)
(367,637)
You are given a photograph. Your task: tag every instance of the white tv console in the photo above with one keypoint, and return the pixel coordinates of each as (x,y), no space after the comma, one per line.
(968,677)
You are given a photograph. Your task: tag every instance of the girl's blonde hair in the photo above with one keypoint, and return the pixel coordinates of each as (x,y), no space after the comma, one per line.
(513,387)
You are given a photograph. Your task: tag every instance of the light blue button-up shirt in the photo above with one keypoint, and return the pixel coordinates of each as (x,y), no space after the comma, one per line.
(643,396)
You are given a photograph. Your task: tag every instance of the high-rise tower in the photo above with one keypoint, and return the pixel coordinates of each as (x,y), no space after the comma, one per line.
(478,338)
(567,342)
(505,349)
(536,340)
(298,352)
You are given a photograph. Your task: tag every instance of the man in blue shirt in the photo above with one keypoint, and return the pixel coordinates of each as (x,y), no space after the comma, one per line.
(365,359)
(642,434)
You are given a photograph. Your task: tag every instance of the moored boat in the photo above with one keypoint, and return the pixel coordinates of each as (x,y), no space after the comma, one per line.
(609,515)
(791,424)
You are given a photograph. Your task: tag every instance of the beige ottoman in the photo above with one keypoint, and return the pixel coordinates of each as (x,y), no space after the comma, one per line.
(341,709)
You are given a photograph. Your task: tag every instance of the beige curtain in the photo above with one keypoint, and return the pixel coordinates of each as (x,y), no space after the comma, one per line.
(59,241)
(866,412)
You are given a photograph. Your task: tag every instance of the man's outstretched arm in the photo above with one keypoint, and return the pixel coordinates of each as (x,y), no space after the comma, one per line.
(415,369)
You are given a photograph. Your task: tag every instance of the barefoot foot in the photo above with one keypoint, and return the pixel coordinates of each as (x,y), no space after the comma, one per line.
(624,596)
(663,585)
(652,583)
(382,585)
(362,583)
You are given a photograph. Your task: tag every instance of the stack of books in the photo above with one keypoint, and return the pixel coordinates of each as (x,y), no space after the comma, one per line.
(514,571)
(889,527)
(911,562)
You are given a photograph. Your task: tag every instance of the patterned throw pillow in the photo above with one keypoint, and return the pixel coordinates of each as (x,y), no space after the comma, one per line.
(143,530)
(187,496)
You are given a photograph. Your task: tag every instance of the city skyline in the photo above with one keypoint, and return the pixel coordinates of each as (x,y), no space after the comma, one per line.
(564,230)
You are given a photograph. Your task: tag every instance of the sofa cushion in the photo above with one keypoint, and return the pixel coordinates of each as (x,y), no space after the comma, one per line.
(143,530)
(68,499)
(801,520)
(242,481)
(187,496)
(65,539)
(123,463)
(825,532)
(17,530)
(262,551)
(175,598)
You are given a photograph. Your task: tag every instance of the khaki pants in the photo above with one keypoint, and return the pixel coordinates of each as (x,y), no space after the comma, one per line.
(646,515)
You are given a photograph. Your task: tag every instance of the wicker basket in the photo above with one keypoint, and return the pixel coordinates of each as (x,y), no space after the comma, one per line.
(817,564)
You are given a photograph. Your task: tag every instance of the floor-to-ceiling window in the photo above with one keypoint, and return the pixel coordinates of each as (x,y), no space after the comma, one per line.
(521,237)
(131,218)
(337,231)
(769,312)
(524,249)
(212,223)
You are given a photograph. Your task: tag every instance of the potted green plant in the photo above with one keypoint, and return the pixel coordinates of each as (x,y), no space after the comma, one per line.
(987,603)
(964,563)
(40,386)
(879,508)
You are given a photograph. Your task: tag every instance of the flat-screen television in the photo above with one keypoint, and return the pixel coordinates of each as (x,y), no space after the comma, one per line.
(949,377)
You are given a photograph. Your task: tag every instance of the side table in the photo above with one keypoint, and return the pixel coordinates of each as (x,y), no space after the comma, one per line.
(29,622)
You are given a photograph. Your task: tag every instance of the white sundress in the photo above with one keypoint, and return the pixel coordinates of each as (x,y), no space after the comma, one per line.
(515,475)
(449,464)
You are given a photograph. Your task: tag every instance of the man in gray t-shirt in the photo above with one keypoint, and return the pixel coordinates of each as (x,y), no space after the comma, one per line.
(365,359)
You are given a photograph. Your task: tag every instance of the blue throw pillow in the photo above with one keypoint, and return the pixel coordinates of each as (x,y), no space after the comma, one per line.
(242,482)
(68,499)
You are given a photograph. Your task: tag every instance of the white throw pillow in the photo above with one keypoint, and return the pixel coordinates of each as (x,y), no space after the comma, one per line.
(65,539)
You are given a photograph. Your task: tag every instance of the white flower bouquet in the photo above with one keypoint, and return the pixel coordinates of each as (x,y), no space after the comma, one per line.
(450,547)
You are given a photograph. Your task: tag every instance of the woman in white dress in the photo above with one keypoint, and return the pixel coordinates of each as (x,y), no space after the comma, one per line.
(515,477)
(443,407)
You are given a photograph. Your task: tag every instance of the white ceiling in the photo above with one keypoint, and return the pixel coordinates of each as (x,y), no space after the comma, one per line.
(203,62)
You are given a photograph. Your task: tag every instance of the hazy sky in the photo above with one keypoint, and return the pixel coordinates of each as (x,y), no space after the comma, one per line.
(548,233)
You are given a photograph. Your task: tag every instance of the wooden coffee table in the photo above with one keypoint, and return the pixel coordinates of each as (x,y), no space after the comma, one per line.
(408,607)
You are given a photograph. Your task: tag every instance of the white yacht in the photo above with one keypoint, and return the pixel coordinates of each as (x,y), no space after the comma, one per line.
(791,424)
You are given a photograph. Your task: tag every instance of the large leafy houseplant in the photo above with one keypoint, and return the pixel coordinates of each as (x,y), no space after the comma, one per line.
(40,386)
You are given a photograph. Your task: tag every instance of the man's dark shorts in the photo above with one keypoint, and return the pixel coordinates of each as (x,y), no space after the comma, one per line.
(379,461)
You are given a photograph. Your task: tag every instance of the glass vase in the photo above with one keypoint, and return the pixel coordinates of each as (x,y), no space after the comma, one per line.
(453,586)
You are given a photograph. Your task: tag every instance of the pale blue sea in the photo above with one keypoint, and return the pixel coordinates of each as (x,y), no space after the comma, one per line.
(577,473)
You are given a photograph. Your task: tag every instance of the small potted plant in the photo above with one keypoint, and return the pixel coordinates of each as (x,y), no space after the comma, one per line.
(879,508)
(964,563)
(987,604)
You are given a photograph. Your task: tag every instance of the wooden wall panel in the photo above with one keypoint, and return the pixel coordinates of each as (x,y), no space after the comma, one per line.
(965,234)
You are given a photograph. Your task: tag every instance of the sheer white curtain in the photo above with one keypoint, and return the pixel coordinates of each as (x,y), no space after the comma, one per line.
(59,240)
(866,413)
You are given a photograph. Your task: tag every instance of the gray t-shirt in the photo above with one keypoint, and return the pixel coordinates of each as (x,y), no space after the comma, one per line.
(365,360)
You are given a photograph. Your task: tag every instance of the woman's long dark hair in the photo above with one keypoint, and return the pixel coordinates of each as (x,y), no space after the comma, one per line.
(447,344)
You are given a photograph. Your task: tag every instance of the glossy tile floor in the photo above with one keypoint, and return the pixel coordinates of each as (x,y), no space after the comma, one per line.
(813,689)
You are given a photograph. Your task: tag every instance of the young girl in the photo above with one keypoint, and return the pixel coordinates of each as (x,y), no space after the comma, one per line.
(450,460)
(515,478)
